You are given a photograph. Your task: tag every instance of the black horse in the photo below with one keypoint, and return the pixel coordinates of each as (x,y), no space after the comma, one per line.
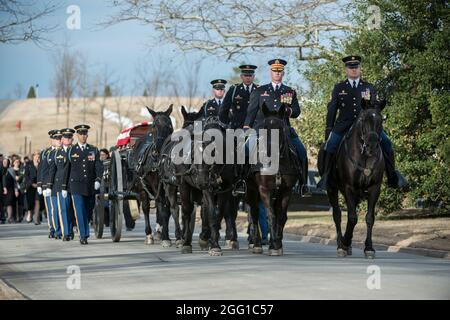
(358,175)
(218,200)
(184,181)
(273,189)
(144,179)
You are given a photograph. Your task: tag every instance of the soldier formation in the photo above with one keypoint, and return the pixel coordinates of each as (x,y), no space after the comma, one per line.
(69,174)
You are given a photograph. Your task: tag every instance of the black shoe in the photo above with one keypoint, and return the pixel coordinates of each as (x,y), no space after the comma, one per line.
(72,236)
(51,235)
(58,237)
(83,241)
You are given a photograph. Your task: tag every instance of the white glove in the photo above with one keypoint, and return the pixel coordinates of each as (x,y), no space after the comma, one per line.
(96,185)
(48,192)
(39,190)
(64,193)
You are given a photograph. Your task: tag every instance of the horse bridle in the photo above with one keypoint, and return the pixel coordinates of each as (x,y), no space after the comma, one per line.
(363,137)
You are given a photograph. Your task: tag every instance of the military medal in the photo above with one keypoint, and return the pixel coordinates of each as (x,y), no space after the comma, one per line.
(367,172)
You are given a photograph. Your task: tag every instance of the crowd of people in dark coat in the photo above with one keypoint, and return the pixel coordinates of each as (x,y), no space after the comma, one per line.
(19,199)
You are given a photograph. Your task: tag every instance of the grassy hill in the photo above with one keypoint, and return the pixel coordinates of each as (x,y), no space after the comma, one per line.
(38,116)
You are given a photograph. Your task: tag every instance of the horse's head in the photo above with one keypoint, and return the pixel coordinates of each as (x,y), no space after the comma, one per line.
(212,148)
(189,117)
(275,120)
(370,126)
(162,125)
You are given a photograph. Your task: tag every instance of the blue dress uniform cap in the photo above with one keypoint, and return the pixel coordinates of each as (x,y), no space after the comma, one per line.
(67,132)
(82,128)
(56,134)
(277,64)
(352,61)
(247,69)
(219,83)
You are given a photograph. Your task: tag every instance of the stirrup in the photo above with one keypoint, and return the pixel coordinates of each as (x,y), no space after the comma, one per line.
(239,188)
(305,190)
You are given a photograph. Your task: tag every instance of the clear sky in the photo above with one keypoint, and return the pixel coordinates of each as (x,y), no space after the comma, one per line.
(120,47)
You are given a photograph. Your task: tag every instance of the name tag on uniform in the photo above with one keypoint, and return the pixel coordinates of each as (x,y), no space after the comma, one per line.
(265,94)
(342,93)
(75,155)
(60,157)
(238,97)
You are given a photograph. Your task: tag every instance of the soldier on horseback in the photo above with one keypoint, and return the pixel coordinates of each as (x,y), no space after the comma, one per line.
(346,98)
(274,95)
(211,107)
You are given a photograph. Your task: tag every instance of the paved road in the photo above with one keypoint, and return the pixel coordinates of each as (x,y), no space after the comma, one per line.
(37,267)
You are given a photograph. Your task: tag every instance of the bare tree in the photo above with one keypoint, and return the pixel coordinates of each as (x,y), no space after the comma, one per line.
(19,91)
(65,77)
(122,105)
(232,27)
(85,83)
(105,83)
(153,78)
(22,20)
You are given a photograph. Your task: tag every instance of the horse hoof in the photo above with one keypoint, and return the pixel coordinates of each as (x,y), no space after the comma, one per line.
(349,251)
(215,252)
(186,249)
(227,244)
(203,244)
(276,252)
(257,250)
(341,253)
(234,245)
(251,245)
(166,243)
(369,254)
(157,236)
(149,240)
(179,243)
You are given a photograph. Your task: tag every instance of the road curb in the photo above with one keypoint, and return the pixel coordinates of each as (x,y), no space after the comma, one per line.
(8,292)
(381,247)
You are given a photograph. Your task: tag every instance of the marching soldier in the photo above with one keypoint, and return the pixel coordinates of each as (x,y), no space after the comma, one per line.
(237,99)
(58,171)
(84,174)
(42,174)
(273,95)
(211,107)
(50,197)
(346,98)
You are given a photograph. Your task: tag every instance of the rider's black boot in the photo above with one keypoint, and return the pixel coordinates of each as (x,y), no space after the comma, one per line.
(394,178)
(323,183)
(304,178)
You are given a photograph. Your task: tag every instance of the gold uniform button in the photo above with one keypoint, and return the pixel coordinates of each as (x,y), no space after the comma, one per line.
(354,98)
(354,104)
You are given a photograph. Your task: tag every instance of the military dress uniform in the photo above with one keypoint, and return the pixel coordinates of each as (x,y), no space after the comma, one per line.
(273,98)
(235,104)
(58,178)
(42,176)
(211,107)
(50,196)
(84,170)
(343,110)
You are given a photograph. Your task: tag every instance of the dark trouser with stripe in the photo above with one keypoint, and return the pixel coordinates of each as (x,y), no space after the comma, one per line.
(82,205)
(64,214)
